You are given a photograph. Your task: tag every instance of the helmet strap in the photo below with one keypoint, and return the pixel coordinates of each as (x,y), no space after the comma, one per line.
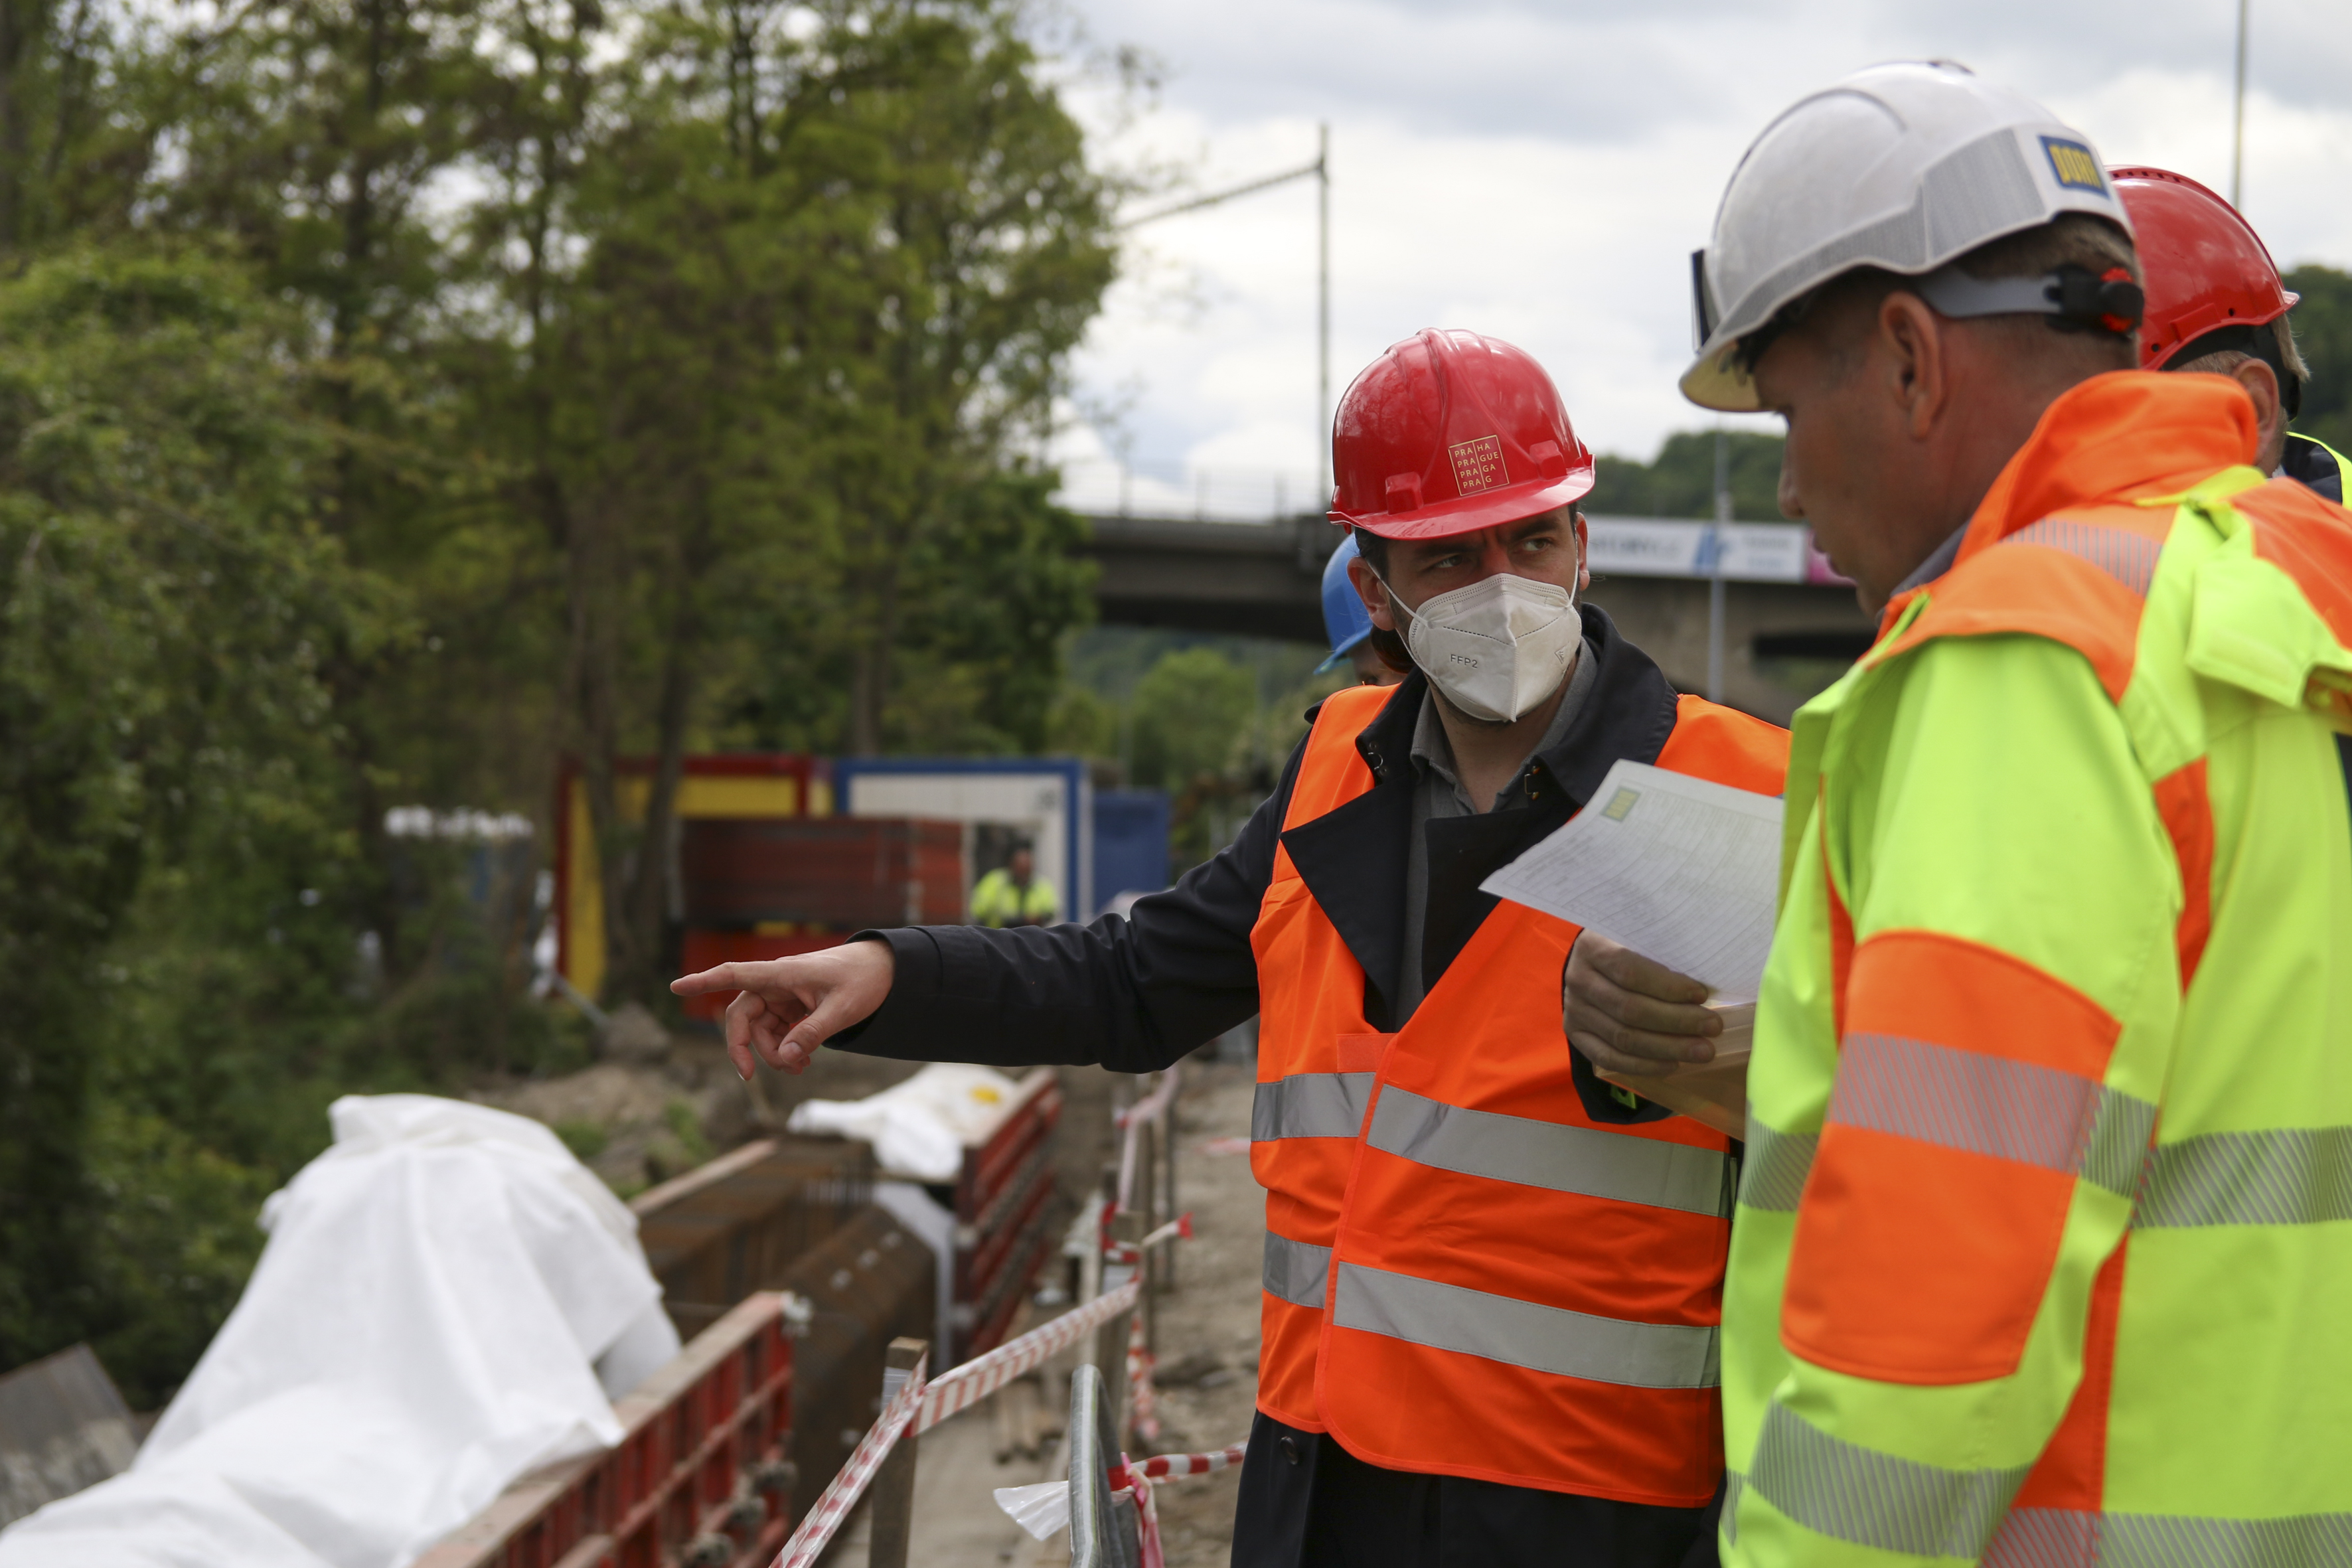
(2074,297)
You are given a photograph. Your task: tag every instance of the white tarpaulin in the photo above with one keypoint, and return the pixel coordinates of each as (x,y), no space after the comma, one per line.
(919,1129)
(447,1299)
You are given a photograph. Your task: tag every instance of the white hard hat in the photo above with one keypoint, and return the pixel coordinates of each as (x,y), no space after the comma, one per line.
(1904,167)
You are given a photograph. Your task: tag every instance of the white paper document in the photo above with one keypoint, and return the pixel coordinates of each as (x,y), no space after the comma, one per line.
(1683,871)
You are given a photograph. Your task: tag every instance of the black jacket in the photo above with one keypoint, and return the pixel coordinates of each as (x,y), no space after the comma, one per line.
(1135,995)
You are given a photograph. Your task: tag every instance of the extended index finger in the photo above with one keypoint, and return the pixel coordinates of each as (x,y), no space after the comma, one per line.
(726,977)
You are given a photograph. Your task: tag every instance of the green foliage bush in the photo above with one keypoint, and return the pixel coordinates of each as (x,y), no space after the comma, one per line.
(395,401)
(2323,330)
(1188,712)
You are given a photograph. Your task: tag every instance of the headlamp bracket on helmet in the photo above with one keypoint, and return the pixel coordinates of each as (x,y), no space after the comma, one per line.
(2074,297)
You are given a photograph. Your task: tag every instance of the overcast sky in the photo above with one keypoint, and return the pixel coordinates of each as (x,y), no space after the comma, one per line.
(1542,172)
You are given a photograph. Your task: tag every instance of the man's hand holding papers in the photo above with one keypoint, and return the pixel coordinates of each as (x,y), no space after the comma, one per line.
(1673,879)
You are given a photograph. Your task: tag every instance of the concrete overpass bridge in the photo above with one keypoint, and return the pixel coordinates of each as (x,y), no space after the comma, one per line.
(1785,636)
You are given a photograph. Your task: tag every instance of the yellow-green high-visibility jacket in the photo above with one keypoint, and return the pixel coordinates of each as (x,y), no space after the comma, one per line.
(2043,1255)
(2317,465)
(995,901)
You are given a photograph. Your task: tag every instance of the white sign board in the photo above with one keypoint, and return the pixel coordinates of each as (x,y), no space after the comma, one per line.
(1644,547)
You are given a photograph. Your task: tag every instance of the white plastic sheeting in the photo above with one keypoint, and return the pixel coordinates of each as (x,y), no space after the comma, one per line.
(447,1301)
(920,1128)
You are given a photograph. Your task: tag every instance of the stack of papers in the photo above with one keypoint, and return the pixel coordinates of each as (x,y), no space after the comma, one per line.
(1687,873)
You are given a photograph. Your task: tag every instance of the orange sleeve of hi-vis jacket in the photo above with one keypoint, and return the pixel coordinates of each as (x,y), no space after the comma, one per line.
(1968,1081)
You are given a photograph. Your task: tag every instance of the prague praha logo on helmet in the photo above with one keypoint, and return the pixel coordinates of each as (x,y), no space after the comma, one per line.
(1477,465)
(2076,168)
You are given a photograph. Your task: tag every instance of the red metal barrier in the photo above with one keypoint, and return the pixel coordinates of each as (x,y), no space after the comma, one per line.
(1000,1202)
(700,1476)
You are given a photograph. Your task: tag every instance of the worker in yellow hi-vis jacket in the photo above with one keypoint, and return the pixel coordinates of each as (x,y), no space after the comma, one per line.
(1014,895)
(2040,1249)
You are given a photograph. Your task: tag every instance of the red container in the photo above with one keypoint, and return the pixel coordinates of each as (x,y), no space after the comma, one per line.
(841,872)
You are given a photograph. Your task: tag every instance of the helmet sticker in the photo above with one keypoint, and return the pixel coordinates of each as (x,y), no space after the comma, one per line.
(2075,165)
(1478,465)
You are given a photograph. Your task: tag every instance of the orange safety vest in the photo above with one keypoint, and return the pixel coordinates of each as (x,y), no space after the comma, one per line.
(1465,1274)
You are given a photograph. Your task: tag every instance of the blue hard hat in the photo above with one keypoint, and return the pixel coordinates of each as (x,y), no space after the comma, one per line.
(1343,607)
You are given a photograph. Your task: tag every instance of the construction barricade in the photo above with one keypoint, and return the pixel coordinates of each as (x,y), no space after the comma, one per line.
(700,1476)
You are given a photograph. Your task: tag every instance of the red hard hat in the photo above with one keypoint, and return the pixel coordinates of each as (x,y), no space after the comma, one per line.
(1449,433)
(2205,268)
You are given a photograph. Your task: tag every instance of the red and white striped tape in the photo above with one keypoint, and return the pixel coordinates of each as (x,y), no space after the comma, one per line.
(850,1485)
(1140,1481)
(1150,1108)
(960,1387)
(1142,1395)
(1132,1252)
(1044,1508)
(1175,1467)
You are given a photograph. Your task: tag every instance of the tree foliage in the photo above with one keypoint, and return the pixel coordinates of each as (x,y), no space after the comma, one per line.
(2323,330)
(1680,481)
(168,601)
(396,395)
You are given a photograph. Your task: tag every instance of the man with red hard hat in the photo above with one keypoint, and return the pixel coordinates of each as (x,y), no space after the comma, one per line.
(2216,306)
(1490,1293)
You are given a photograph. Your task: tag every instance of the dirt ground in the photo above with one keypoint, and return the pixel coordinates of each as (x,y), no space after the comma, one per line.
(1208,1340)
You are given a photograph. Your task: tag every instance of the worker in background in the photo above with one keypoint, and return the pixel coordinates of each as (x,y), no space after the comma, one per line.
(2216,306)
(1489,1295)
(1349,624)
(2040,1255)
(1013,895)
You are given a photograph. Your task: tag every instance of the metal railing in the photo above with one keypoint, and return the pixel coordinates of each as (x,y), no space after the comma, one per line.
(1103,1535)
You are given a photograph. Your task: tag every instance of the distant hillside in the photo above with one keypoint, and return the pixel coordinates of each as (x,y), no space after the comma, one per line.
(1681,481)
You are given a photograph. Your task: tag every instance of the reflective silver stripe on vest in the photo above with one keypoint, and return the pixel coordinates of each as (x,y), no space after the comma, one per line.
(2287,1175)
(2038,1537)
(1776,1167)
(1733,1483)
(1991,1105)
(1524,1334)
(1839,1489)
(1296,1271)
(1310,1105)
(2128,556)
(1547,1154)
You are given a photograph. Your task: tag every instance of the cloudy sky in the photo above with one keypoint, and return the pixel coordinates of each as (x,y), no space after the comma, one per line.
(1542,172)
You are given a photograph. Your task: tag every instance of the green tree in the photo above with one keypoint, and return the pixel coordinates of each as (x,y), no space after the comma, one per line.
(867,249)
(1680,481)
(167,596)
(77,126)
(2323,330)
(1189,711)
(988,250)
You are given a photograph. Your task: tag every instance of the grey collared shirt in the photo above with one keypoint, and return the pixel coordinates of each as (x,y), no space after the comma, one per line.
(1437,793)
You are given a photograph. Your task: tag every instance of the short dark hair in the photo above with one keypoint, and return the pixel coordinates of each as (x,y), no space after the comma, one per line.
(1388,646)
(2070,239)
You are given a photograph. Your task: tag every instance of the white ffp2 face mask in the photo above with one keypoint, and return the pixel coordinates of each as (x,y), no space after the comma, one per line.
(1498,647)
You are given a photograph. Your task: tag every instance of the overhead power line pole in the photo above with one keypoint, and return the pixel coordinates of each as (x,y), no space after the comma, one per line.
(2238,130)
(1320,171)
(1719,540)
(1323,316)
